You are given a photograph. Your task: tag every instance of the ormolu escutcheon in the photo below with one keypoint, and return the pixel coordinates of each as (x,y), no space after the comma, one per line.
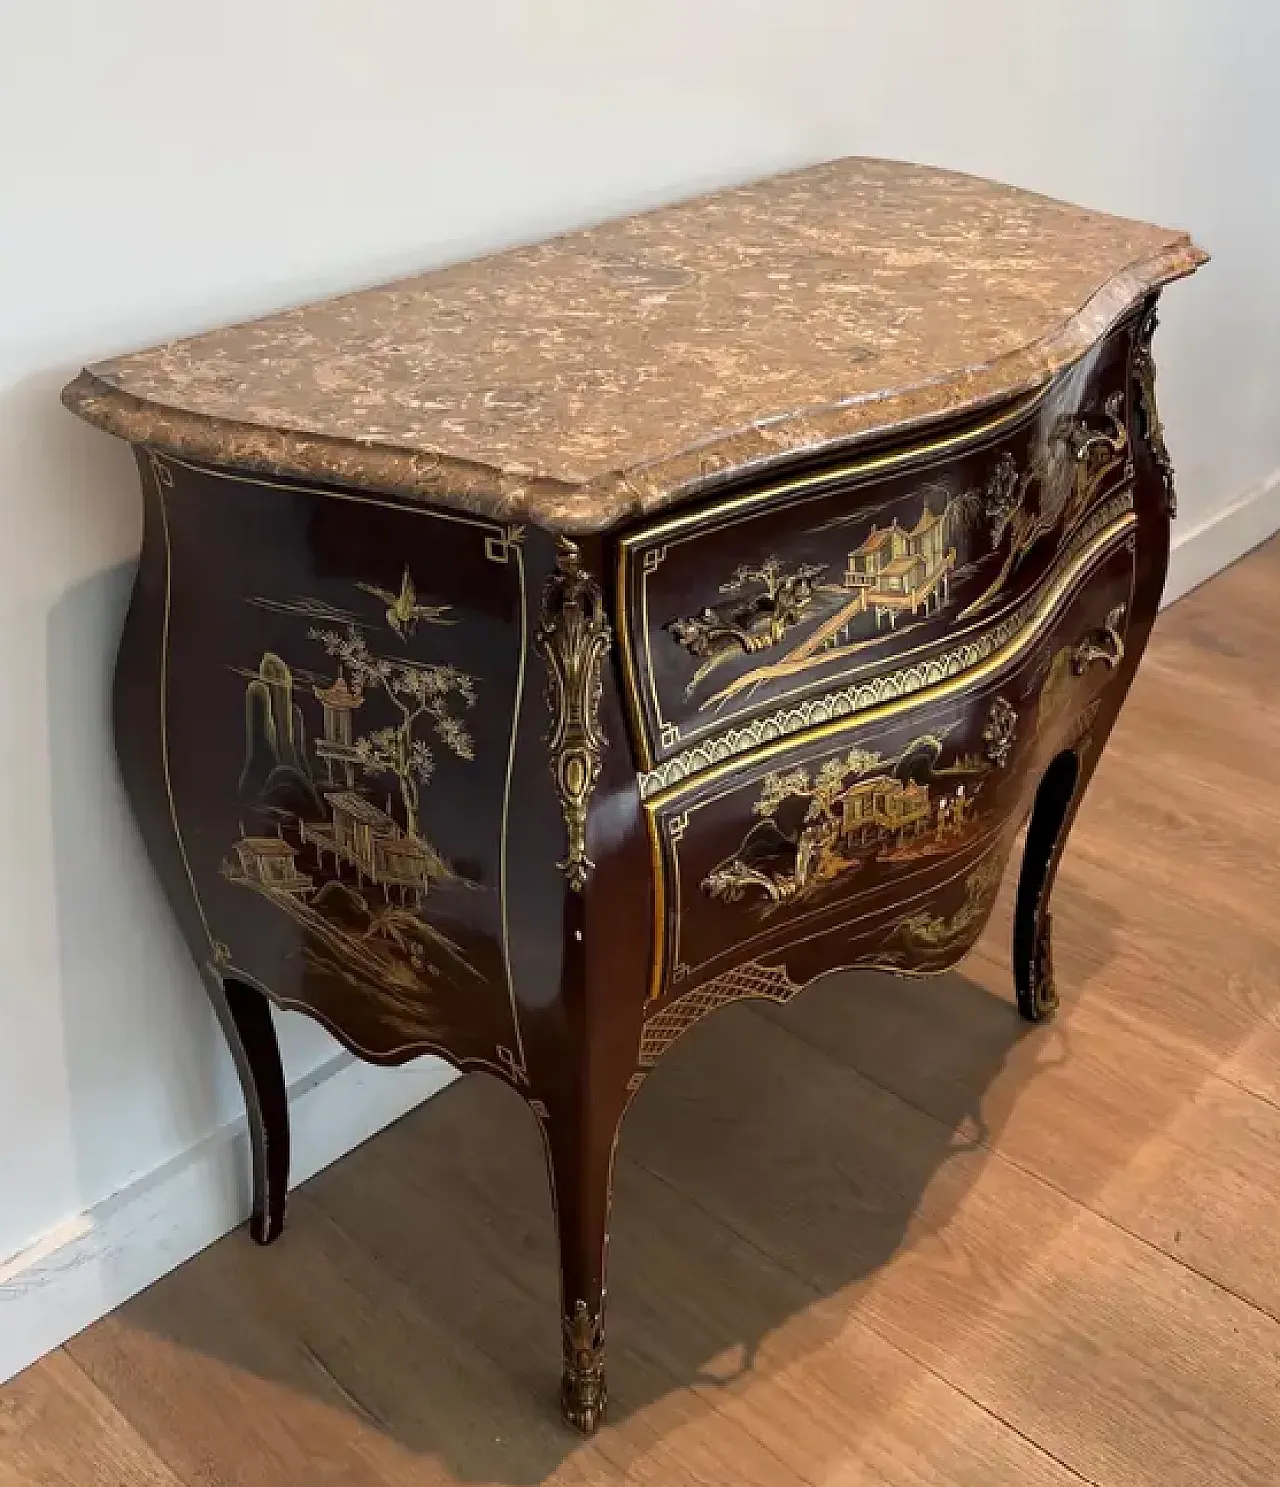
(574,638)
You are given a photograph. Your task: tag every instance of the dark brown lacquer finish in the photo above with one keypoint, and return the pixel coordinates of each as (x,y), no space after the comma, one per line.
(809,584)
(809,853)
(534,780)
(340,685)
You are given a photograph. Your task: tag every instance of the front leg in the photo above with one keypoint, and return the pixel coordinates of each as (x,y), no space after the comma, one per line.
(580,1145)
(584,1041)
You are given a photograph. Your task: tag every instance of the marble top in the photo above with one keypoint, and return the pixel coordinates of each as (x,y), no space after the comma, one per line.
(580,382)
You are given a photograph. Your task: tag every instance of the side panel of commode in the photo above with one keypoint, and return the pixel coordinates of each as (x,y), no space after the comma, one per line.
(321,750)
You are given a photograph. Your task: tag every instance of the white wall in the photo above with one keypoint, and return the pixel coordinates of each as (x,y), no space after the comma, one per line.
(164,168)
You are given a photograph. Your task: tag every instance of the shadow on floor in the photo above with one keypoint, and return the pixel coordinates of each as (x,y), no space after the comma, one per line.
(775,1161)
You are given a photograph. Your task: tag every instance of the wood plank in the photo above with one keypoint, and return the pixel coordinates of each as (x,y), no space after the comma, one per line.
(252,1365)
(724,1365)
(1225,630)
(1155,960)
(58,1430)
(1164,827)
(1182,705)
(1204,1190)
(1255,1065)
(453,1202)
(1167,1150)
(1116,1360)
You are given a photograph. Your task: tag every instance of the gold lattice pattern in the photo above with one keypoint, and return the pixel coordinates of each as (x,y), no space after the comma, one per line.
(750,980)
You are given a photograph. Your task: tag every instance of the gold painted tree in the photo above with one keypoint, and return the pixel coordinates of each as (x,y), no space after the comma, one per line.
(813,855)
(822,789)
(422,694)
(771,576)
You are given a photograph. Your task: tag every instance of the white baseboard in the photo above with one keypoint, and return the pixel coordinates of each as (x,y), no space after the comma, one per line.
(92,1263)
(1215,543)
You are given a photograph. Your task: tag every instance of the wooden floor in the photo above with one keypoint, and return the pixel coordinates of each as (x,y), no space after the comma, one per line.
(887,1235)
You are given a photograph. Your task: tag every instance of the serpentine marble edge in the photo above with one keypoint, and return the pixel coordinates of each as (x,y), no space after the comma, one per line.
(608,373)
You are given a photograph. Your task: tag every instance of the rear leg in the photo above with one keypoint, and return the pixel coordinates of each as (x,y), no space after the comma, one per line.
(1052,815)
(245,1015)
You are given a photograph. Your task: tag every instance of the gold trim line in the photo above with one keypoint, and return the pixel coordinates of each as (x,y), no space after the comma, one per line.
(998,659)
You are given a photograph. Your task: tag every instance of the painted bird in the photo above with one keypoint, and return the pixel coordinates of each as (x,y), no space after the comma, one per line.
(403,609)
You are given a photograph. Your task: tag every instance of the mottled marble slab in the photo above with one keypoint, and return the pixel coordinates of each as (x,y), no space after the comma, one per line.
(582,381)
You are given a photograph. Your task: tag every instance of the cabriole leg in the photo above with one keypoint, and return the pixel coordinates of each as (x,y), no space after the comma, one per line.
(245,1015)
(1055,807)
(580,1162)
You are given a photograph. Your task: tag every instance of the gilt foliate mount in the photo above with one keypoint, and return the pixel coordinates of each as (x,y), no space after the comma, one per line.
(574,638)
(583,1391)
(1144,369)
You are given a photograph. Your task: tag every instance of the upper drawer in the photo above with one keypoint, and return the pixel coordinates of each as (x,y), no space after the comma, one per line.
(755,606)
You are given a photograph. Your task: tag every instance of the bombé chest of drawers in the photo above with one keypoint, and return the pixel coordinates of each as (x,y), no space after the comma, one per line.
(530,658)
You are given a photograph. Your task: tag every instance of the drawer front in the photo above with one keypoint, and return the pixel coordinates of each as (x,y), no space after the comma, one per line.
(766,602)
(884,837)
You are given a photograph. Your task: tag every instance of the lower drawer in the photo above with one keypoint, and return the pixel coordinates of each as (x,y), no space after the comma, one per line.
(881,840)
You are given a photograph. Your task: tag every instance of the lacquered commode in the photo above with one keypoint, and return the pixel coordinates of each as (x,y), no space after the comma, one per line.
(529,658)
